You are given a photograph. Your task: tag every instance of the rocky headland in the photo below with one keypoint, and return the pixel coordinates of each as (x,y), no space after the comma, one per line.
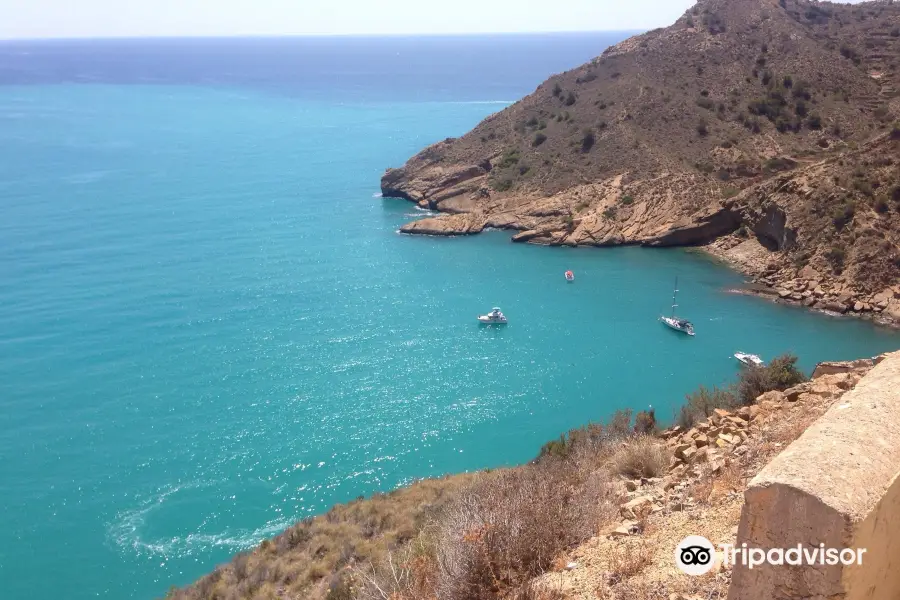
(764,131)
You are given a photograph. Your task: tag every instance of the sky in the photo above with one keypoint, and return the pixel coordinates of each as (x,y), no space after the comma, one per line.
(139,18)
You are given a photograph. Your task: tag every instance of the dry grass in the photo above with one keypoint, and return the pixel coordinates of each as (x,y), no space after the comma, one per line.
(508,528)
(535,592)
(497,535)
(628,560)
(307,560)
(512,525)
(644,456)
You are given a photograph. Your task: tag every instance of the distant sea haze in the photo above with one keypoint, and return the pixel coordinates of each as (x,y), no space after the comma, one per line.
(334,69)
(211,329)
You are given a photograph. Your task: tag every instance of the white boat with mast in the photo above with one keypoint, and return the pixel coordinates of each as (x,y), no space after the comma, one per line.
(676,323)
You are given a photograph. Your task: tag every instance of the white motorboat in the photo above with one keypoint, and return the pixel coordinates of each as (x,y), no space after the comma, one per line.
(495,316)
(676,323)
(751,360)
(570,276)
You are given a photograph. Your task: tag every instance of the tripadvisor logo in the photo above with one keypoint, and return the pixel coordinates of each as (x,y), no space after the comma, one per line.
(694,555)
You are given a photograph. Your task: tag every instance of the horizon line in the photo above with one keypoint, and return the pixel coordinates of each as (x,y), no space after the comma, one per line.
(249,36)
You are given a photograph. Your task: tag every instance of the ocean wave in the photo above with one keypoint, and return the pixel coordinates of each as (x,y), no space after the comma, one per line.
(127,531)
(85,178)
(377,195)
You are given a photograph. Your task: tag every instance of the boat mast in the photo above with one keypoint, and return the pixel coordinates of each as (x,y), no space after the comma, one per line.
(674,294)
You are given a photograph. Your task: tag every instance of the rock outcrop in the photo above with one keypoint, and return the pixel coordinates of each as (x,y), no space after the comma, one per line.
(837,485)
(764,129)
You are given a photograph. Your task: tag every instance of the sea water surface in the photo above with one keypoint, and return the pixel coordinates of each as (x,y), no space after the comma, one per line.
(210,327)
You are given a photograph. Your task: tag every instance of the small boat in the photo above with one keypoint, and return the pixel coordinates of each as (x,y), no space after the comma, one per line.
(495,316)
(676,323)
(570,276)
(751,360)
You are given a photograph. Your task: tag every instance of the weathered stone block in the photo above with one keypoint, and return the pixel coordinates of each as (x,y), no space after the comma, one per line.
(837,485)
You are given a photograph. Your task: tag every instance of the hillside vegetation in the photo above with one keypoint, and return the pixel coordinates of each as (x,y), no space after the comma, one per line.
(770,122)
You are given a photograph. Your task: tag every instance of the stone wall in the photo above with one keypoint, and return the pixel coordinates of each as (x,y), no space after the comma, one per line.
(836,485)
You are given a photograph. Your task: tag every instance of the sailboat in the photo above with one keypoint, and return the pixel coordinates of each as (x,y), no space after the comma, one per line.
(678,324)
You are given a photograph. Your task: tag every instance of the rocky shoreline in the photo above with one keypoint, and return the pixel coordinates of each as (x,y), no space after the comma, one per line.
(770,277)
(806,288)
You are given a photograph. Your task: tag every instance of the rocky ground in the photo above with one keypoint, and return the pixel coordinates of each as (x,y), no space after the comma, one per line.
(702,494)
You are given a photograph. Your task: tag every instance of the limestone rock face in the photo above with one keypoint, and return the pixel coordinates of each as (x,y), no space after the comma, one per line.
(457,224)
(850,366)
(837,485)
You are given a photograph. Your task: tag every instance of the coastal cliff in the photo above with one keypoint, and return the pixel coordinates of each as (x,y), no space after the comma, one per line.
(763,130)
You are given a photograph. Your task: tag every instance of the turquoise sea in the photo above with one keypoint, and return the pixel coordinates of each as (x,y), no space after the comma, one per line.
(210,328)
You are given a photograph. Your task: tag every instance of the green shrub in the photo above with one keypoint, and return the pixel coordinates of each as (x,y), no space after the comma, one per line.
(557,90)
(645,422)
(850,53)
(753,125)
(610,213)
(778,164)
(895,131)
(502,185)
(339,589)
(864,187)
(626,200)
(730,192)
(843,214)
(702,402)
(780,374)
(558,448)
(587,140)
(881,206)
(814,121)
(836,256)
(510,157)
(706,103)
(570,99)
(702,128)
(539,138)
(592,434)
